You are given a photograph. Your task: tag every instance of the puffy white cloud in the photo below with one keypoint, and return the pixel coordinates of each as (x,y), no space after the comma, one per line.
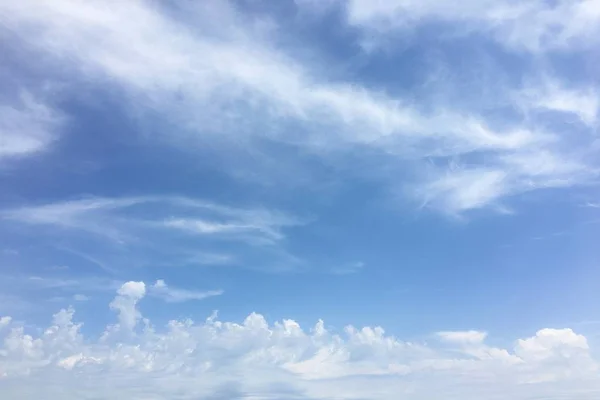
(5,321)
(283,360)
(125,303)
(548,343)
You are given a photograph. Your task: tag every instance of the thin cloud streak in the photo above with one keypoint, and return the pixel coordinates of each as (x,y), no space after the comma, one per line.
(104,215)
(190,231)
(176,295)
(532,25)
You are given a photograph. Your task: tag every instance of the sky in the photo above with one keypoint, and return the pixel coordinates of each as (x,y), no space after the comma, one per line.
(300,199)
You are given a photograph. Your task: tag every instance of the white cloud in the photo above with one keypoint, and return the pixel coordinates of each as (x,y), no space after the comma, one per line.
(5,321)
(465,337)
(161,56)
(283,360)
(562,350)
(125,303)
(533,25)
(108,217)
(154,58)
(76,214)
(27,126)
(80,290)
(458,188)
(552,96)
(176,295)
(240,229)
(472,343)
(546,342)
(191,231)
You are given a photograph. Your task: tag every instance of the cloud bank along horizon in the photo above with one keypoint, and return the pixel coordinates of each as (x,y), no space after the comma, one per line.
(313,170)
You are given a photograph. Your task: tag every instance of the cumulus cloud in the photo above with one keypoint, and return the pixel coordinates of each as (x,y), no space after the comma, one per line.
(5,321)
(125,303)
(157,57)
(189,360)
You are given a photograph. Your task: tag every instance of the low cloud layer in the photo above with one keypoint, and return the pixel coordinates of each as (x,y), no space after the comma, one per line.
(262,360)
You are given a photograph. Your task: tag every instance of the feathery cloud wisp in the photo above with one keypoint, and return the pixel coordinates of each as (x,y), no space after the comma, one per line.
(191,231)
(27,126)
(531,25)
(175,295)
(199,65)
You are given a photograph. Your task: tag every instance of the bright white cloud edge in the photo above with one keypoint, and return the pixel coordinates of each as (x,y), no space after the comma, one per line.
(254,359)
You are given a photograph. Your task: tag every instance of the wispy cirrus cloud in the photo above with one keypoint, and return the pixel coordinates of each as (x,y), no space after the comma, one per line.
(111,217)
(27,126)
(550,95)
(81,297)
(78,215)
(197,61)
(531,25)
(175,295)
(159,48)
(456,187)
(190,231)
(21,287)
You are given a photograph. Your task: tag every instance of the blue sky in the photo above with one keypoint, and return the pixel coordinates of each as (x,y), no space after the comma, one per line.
(315,171)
